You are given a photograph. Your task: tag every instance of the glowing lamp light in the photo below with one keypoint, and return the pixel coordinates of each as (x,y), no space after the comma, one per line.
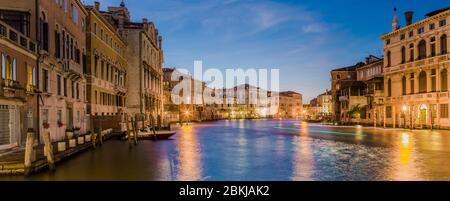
(404,108)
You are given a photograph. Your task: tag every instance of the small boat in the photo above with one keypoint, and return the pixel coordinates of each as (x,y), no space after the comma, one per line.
(158,135)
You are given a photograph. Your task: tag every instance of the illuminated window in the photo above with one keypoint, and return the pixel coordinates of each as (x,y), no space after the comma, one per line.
(444,81)
(3,66)
(444,111)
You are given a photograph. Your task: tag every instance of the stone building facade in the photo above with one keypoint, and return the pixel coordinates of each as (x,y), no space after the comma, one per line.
(59,29)
(62,27)
(340,75)
(416,67)
(145,58)
(18,85)
(107,67)
(291,104)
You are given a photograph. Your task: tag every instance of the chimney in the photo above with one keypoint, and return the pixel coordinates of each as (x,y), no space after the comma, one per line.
(144,20)
(409,17)
(97,5)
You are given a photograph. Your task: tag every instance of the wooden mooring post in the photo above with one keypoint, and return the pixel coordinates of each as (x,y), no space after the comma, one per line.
(93,134)
(127,125)
(29,153)
(135,129)
(48,150)
(100,133)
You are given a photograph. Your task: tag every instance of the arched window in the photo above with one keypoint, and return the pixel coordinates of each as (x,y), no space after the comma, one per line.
(444,81)
(422,47)
(9,69)
(403,54)
(3,66)
(44,35)
(444,44)
(411,83)
(422,82)
(411,52)
(388,58)
(404,85)
(389,87)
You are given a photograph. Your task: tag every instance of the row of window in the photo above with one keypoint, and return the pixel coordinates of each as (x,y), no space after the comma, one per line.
(109,40)
(66,47)
(421,49)
(45,116)
(422,82)
(151,81)
(61,83)
(421,30)
(108,72)
(103,98)
(443,111)
(9,70)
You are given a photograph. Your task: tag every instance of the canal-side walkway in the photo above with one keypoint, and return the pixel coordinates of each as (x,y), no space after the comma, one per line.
(13,163)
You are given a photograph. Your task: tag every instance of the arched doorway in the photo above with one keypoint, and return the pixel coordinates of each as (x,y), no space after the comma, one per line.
(423,109)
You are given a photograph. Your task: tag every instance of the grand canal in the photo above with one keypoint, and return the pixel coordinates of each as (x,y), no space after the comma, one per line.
(266,150)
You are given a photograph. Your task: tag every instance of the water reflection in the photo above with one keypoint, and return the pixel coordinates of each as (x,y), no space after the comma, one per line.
(303,163)
(189,155)
(267,150)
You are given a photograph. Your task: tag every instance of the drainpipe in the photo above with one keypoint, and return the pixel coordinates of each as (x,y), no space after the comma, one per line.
(140,72)
(38,133)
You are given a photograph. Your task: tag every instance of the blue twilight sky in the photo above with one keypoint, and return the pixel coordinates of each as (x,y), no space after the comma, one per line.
(303,38)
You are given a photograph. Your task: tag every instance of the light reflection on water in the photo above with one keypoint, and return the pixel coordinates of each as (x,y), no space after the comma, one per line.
(267,150)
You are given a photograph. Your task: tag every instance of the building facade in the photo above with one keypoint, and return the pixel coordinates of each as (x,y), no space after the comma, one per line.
(145,58)
(340,75)
(59,29)
(291,104)
(107,67)
(416,62)
(372,75)
(18,85)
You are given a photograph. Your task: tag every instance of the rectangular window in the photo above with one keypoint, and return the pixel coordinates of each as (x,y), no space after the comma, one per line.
(433,80)
(78,91)
(14,70)
(432,26)
(58,84)
(388,111)
(73,89)
(65,87)
(443,111)
(29,74)
(74,14)
(420,30)
(34,76)
(412,83)
(402,37)
(59,116)
(411,34)
(102,69)
(3,66)
(45,116)
(95,97)
(442,23)
(45,86)
(95,66)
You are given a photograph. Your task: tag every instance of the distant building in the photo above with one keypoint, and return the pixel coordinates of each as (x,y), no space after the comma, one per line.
(338,77)
(372,75)
(416,67)
(291,104)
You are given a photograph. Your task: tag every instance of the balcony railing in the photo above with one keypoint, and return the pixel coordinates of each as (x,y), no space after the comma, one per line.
(420,63)
(16,37)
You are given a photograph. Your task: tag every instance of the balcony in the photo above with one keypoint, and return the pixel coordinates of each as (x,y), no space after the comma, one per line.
(13,89)
(10,34)
(120,89)
(73,70)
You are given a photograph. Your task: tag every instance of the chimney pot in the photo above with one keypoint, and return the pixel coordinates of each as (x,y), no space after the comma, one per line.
(97,5)
(145,20)
(409,17)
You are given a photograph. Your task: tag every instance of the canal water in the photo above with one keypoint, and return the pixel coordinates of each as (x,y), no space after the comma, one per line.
(266,150)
